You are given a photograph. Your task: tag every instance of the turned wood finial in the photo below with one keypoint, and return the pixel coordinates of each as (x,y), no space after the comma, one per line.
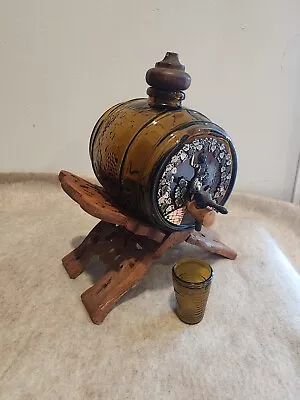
(167,81)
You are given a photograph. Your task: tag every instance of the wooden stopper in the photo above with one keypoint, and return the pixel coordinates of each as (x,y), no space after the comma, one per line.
(167,81)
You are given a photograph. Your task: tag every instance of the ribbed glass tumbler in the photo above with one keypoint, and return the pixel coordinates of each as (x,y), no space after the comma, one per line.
(192,280)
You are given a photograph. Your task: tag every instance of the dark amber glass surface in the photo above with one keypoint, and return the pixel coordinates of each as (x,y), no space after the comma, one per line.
(132,141)
(192,280)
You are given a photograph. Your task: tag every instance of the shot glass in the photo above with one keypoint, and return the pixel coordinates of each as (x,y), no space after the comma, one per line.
(191,280)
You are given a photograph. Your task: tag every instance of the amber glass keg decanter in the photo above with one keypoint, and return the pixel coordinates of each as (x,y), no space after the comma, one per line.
(153,156)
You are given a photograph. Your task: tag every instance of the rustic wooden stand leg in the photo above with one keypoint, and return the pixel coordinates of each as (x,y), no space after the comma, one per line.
(213,246)
(129,257)
(74,262)
(100,298)
(125,245)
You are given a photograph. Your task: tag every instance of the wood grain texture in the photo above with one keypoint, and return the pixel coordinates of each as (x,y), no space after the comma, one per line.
(213,246)
(95,201)
(126,246)
(126,257)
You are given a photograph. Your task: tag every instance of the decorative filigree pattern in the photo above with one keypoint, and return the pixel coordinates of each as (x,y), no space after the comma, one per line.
(214,166)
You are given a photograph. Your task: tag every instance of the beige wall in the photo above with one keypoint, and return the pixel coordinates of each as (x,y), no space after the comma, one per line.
(64,62)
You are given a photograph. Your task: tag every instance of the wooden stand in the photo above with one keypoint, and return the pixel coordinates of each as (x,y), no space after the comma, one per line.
(127,246)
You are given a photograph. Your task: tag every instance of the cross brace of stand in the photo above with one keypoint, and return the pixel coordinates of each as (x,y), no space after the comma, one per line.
(124,244)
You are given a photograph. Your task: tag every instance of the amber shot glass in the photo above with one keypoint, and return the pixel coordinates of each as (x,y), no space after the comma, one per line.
(191,280)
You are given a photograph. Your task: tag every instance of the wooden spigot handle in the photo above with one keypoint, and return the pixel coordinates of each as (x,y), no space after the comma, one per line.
(205,216)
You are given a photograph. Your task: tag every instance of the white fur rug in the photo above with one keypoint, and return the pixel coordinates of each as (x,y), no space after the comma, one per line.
(247,346)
